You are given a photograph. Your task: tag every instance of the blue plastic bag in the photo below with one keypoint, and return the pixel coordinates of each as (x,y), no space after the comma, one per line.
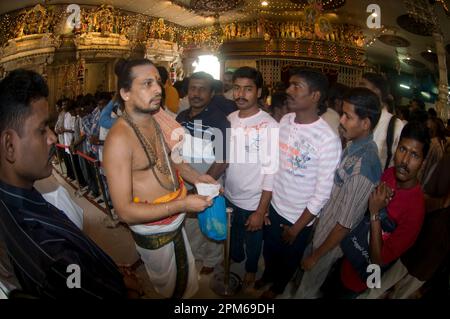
(213,220)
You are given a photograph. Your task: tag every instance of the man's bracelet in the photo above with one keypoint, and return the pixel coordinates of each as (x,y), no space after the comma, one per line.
(374,217)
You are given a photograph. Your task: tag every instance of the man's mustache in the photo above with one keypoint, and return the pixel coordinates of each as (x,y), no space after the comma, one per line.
(342,128)
(157,97)
(241,100)
(403,167)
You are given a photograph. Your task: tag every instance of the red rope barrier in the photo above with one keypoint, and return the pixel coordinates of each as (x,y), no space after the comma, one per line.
(86,157)
(62,146)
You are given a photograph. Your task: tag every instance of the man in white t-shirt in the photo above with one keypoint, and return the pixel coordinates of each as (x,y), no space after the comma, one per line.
(249,175)
(386,134)
(309,154)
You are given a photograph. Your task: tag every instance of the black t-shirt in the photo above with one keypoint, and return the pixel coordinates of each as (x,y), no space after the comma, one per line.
(208,125)
(223,104)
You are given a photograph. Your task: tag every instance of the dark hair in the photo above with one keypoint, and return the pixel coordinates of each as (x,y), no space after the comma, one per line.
(89,99)
(88,102)
(103,96)
(70,105)
(164,75)
(366,104)
(228,73)
(316,80)
(185,86)
(441,132)
(123,70)
(432,113)
(280,87)
(203,76)
(278,100)
(58,103)
(420,103)
(181,87)
(419,132)
(380,82)
(418,116)
(218,86)
(17,91)
(337,91)
(249,73)
(264,93)
(178,85)
(404,110)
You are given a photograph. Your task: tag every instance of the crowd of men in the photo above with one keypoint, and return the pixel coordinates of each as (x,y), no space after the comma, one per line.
(324,181)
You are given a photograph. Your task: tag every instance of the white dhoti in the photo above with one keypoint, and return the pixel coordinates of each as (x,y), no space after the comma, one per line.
(161,263)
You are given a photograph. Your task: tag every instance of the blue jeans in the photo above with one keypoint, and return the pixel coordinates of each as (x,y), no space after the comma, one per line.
(240,237)
(281,260)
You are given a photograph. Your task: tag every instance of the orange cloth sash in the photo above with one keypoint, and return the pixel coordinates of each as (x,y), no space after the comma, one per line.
(178,194)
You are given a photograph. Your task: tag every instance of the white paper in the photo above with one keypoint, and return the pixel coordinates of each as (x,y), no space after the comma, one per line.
(211,190)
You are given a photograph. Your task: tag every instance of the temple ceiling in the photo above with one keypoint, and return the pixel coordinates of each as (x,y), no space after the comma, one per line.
(396,42)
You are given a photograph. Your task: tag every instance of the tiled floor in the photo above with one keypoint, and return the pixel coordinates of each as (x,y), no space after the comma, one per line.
(118,243)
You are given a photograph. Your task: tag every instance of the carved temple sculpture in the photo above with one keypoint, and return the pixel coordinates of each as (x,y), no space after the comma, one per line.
(39,38)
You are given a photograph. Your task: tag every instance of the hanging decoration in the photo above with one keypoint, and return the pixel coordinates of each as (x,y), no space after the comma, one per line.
(209,8)
(312,13)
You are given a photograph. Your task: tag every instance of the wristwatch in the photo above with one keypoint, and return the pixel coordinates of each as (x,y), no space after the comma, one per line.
(374,217)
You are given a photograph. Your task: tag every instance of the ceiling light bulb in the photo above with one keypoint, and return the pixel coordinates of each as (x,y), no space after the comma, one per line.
(264,3)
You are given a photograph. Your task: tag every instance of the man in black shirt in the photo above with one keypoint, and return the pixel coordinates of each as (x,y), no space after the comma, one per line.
(49,255)
(204,149)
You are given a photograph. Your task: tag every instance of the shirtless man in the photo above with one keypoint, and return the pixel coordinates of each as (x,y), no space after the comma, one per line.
(146,187)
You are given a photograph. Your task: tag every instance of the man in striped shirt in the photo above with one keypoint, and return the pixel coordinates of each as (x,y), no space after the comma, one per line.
(354,180)
(309,155)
